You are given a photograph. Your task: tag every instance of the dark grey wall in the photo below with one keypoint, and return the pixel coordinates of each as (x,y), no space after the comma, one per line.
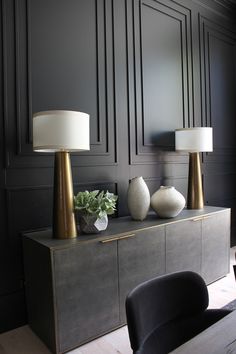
(141,69)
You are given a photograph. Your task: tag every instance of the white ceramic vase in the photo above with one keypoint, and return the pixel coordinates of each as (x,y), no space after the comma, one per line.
(138,198)
(167,202)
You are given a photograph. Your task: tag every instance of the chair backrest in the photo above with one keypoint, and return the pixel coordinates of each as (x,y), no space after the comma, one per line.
(162,299)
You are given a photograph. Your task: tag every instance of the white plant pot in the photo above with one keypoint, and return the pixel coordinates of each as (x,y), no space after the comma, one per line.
(167,202)
(138,198)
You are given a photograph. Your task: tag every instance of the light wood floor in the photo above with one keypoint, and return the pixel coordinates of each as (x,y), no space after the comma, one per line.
(23,341)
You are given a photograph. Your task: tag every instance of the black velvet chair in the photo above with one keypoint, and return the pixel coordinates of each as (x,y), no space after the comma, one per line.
(167,311)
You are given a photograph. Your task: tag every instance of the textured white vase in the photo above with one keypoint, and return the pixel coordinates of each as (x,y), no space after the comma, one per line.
(167,202)
(138,198)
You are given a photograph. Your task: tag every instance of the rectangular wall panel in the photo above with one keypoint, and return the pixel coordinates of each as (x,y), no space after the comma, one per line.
(67,71)
(218,86)
(163,78)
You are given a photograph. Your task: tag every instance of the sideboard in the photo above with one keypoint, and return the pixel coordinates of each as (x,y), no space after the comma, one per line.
(76,289)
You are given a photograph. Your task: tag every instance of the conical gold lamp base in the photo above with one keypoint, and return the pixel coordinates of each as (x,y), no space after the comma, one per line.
(64,225)
(195,192)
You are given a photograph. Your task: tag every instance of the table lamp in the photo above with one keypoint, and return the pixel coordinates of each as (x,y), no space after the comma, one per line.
(62,132)
(194,140)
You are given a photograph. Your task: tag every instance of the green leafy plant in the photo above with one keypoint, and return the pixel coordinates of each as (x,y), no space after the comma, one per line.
(95,202)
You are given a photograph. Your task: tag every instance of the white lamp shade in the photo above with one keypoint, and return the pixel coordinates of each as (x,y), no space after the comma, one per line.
(194,139)
(60,131)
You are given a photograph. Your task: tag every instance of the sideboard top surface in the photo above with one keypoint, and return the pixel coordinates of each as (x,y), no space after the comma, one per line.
(118,227)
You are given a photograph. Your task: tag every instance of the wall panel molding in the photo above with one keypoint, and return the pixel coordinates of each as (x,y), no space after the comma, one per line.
(144,17)
(102,149)
(220,188)
(217,58)
(180,183)
(37,202)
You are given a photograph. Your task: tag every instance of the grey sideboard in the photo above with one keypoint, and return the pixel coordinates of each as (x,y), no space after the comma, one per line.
(76,289)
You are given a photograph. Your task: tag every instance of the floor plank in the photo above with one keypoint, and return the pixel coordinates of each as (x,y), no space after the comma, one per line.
(23,341)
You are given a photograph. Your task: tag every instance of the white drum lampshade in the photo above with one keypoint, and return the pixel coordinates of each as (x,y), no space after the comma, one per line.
(62,132)
(194,141)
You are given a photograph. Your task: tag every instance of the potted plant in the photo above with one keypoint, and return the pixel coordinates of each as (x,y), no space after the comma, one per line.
(93,208)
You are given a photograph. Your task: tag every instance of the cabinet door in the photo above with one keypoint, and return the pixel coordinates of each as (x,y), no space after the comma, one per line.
(183,246)
(215,246)
(86,290)
(141,257)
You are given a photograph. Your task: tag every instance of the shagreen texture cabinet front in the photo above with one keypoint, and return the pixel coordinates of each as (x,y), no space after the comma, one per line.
(76,289)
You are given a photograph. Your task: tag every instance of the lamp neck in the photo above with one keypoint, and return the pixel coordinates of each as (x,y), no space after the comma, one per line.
(195,190)
(63,209)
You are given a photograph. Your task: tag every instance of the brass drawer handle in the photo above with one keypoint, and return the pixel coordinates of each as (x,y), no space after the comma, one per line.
(117,238)
(207,217)
(197,219)
(202,218)
(110,240)
(126,236)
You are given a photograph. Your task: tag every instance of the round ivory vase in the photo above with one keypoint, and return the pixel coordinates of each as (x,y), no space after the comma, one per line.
(138,198)
(167,202)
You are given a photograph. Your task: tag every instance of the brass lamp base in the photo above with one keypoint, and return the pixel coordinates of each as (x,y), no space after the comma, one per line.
(195,191)
(64,225)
